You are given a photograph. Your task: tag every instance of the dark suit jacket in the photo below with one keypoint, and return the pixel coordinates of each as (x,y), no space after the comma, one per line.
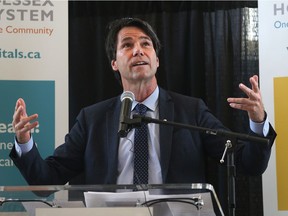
(92,146)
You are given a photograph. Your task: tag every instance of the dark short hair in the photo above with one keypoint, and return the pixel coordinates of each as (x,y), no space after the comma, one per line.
(115,26)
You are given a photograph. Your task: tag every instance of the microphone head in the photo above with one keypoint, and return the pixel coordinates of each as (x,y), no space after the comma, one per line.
(127,98)
(127,95)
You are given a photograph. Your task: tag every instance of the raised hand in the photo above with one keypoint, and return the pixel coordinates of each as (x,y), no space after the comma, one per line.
(22,123)
(253,104)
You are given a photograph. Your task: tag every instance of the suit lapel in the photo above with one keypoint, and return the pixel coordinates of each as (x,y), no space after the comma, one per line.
(166,111)
(112,123)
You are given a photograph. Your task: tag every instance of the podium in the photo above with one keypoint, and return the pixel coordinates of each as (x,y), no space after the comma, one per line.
(102,200)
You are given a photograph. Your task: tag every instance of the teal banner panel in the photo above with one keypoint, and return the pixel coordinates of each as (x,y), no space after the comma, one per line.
(39,97)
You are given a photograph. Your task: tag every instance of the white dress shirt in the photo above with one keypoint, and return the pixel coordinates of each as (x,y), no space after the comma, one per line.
(126,155)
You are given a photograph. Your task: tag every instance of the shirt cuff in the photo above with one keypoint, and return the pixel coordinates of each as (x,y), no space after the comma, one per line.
(260,128)
(22,149)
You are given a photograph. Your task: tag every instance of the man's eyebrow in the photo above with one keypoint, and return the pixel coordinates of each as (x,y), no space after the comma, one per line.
(130,38)
(125,39)
(145,38)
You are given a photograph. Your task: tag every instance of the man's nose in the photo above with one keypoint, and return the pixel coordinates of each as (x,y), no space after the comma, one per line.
(138,51)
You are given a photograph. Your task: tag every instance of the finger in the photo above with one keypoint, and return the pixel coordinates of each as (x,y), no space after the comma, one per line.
(246,105)
(24,122)
(28,119)
(23,104)
(246,90)
(20,110)
(256,78)
(28,127)
(17,114)
(243,101)
(239,106)
(254,83)
(19,102)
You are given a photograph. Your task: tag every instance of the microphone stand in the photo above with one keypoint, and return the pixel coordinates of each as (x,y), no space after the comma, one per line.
(229,148)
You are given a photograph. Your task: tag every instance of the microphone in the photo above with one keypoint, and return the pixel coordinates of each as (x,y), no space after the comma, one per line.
(127,98)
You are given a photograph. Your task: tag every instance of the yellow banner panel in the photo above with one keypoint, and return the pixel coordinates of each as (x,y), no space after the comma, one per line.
(281,126)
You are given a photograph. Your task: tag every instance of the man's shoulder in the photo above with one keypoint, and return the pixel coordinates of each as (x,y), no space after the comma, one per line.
(104,105)
(174,96)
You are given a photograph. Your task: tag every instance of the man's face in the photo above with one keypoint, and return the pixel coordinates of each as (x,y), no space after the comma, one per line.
(136,58)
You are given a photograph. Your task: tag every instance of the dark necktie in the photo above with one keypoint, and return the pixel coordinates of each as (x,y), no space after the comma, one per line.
(141,150)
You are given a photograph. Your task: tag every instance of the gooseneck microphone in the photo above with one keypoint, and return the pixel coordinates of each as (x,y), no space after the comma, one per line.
(127,98)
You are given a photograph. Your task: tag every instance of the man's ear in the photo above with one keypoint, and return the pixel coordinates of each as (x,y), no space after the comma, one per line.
(157,62)
(114,65)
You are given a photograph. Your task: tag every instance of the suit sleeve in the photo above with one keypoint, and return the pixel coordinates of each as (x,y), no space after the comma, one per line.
(65,163)
(251,158)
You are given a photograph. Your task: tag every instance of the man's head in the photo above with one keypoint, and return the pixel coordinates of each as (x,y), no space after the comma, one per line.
(132,48)
(114,28)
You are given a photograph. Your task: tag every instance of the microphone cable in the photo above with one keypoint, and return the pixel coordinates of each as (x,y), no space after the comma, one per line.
(197,202)
(52,205)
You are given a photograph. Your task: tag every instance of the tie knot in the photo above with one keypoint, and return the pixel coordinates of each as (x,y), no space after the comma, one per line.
(141,109)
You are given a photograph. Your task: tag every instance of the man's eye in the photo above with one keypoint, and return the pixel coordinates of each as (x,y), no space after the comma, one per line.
(147,44)
(126,45)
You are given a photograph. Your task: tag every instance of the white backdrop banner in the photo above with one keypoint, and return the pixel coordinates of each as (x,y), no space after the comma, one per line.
(34,66)
(273,54)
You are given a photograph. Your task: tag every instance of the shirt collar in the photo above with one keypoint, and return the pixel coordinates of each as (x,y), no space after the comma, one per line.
(151,102)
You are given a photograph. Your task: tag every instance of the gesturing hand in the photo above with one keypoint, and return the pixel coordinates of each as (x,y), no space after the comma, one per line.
(22,123)
(253,104)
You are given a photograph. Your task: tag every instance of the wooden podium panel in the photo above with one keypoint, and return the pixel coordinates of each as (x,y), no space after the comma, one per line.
(103,211)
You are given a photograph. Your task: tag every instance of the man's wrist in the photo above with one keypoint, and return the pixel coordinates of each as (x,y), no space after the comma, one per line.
(261,128)
(23,148)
